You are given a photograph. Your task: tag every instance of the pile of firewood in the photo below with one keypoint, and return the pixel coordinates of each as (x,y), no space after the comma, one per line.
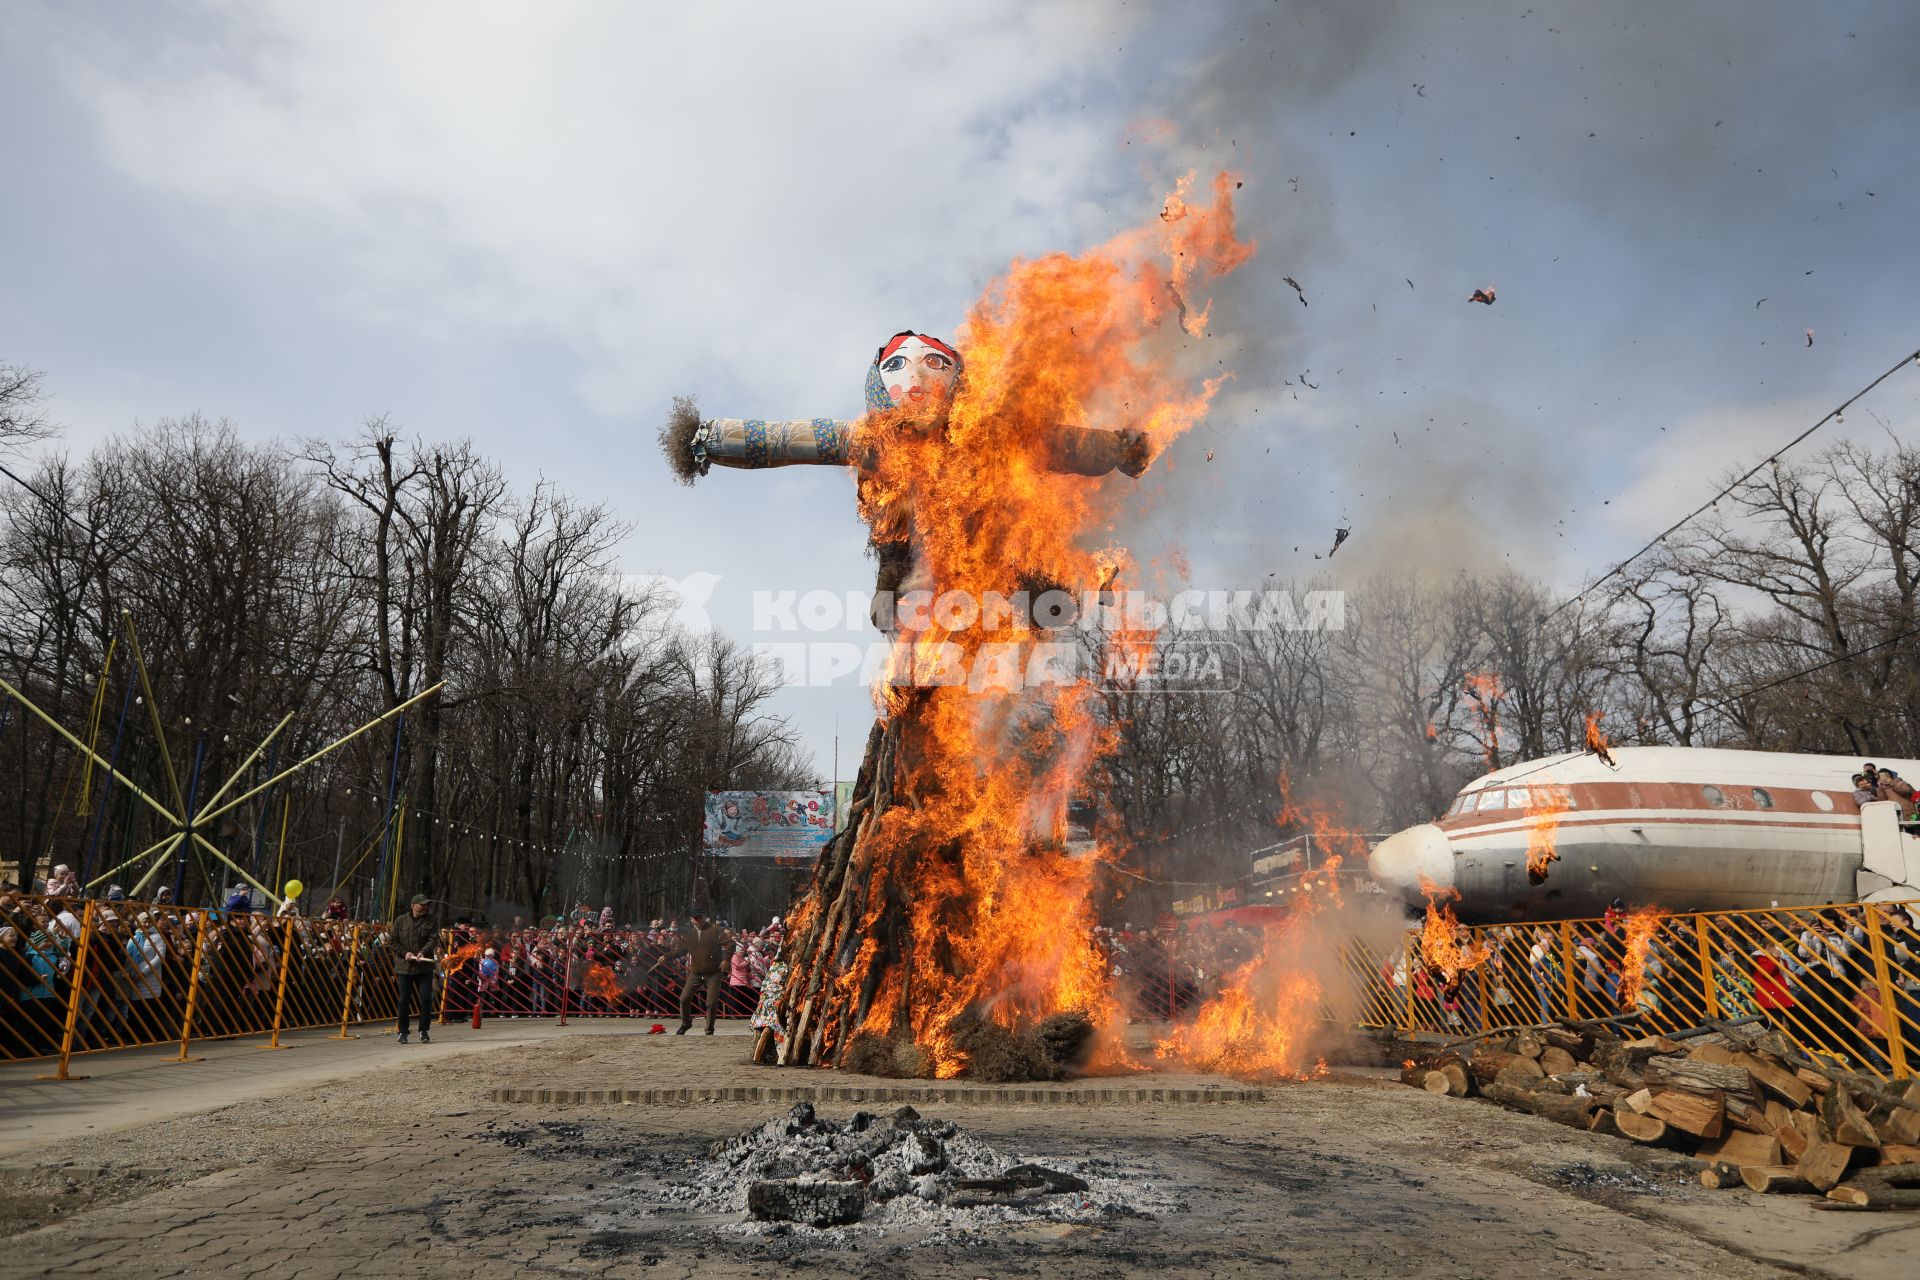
(1743,1099)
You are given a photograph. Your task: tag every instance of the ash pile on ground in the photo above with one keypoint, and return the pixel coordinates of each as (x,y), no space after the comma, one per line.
(901,1172)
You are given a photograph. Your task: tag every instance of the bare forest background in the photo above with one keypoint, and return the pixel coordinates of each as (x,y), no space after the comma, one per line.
(564,764)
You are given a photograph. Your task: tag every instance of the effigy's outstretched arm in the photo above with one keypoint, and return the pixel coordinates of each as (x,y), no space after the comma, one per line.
(1087,451)
(694,445)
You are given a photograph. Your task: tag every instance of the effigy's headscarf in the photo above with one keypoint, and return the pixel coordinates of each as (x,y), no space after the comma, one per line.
(878,398)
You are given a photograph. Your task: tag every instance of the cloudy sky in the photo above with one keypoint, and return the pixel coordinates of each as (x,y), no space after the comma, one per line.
(534,224)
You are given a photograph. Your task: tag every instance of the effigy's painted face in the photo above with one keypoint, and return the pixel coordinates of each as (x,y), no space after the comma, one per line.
(914,373)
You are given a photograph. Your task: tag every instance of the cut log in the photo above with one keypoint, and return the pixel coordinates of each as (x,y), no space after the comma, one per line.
(1559,1108)
(1743,1113)
(1527,1044)
(1793,1143)
(1895,1153)
(1776,1080)
(1577,1043)
(1522,1073)
(1825,1163)
(1436,1082)
(1648,1128)
(1845,1122)
(1904,1122)
(1899,1175)
(1640,1101)
(1739,1147)
(1815,1080)
(1648,1046)
(1877,1197)
(1487,1064)
(1774,1179)
(1459,1082)
(1777,1112)
(1712,1051)
(1556,1061)
(1602,1122)
(1719,1175)
(1701,1115)
(1689,1075)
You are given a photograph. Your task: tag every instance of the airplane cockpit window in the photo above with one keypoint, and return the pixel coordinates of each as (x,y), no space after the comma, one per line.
(1762,798)
(1493,799)
(1517,798)
(1715,797)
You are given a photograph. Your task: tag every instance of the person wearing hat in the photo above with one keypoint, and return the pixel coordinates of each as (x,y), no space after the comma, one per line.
(416,939)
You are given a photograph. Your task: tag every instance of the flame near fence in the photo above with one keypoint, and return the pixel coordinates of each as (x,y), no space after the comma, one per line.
(1841,980)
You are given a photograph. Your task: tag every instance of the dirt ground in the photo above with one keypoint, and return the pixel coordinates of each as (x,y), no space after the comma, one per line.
(416,1173)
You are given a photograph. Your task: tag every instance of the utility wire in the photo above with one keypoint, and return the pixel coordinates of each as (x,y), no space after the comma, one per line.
(1772,459)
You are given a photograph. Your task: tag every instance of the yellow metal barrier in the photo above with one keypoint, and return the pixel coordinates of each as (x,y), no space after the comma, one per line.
(1842,981)
(82,977)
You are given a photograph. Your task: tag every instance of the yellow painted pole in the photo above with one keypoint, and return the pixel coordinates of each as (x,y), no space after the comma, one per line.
(1406,958)
(193,988)
(165,843)
(85,806)
(74,993)
(1566,965)
(60,729)
(353,972)
(248,762)
(280,856)
(280,996)
(1889,1011)
(153,709)
(331,747)
(238,870)
(1704,940)
(1479,937)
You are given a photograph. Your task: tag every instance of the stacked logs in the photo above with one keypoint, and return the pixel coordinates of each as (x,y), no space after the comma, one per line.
(1744,1100)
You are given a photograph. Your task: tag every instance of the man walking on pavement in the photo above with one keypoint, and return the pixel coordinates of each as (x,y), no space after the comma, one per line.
(417,941)
(706,946)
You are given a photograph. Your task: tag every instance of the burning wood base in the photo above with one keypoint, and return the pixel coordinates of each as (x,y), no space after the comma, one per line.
(1762,1114)
(875,981)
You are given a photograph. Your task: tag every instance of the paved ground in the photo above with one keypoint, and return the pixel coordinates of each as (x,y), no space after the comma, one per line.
(390,1161)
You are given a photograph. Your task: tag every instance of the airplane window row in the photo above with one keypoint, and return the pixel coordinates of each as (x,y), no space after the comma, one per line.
(1502,798)
(1762,799)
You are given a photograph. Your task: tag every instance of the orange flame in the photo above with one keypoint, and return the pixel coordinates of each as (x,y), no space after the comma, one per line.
(458,957)
(1441,944)
(1597,740)
(1545,803)
(1641,925)
(600,982)
(1261,1024)
(999,914)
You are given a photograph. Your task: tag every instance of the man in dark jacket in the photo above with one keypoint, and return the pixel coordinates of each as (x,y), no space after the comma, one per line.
(416,943)
(706,946)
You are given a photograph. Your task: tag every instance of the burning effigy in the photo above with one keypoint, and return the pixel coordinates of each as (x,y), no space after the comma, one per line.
(948,929)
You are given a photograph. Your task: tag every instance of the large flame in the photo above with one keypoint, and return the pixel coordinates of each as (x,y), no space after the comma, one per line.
(1263,1020)
(1545,803)
(1445,944)
(1640,927)
(970,853)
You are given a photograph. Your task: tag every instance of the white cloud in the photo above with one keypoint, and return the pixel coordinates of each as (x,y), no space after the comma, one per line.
(646,187)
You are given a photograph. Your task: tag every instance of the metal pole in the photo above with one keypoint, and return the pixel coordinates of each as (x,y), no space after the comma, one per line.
(1703,939)
(353,972)
(280,996)
(193,987)
(393,781)
(193,791)
(74,992)
(1889,1011)
(339,848)
(106,786)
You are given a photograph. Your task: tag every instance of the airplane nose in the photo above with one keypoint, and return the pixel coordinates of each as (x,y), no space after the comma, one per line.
(1403,858)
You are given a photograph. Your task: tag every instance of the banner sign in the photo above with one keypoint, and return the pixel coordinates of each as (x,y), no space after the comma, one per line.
(787,825)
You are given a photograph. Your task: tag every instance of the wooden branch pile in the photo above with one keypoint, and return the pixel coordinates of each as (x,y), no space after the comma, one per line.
(1760,1113)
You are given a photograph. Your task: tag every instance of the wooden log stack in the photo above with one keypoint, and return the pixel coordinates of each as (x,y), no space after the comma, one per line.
(1762,1114)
